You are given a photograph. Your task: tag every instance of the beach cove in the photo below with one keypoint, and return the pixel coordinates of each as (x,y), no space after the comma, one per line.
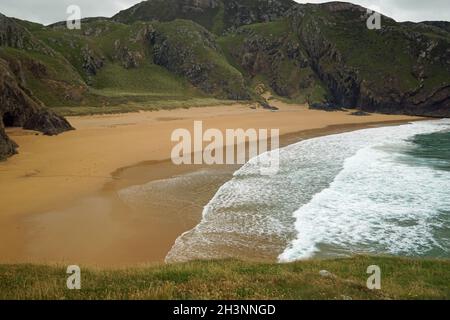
(61,199)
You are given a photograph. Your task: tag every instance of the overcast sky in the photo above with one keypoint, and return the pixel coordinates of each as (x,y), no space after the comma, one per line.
(49,11)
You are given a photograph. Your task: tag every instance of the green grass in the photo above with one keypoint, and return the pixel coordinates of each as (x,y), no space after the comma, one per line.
(299,84)
(192,45)
(168,10)
(124,103)
(271,30)
(400,279)
(114,88)
(204,63)
(379,56)
(148,78)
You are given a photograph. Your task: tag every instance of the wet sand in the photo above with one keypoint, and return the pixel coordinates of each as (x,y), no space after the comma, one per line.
(66,199)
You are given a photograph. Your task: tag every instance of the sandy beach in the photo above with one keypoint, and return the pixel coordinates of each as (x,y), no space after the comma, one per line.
(60,196)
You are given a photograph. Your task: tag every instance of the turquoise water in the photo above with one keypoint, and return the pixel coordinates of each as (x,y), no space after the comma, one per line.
(376,191)
(432,150)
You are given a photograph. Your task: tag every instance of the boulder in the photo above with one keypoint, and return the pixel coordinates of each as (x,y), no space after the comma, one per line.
(7,146)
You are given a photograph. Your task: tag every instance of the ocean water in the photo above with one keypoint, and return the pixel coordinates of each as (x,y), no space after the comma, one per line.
(380,190)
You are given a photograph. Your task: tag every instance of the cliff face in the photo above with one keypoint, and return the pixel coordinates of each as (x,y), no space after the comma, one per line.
(323,55)
(7,146)
(401,68)
(203,12)
(18,107)
(191,51)
(270,54)
(218,16)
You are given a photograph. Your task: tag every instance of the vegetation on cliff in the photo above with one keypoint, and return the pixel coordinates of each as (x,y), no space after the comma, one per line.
(187,52)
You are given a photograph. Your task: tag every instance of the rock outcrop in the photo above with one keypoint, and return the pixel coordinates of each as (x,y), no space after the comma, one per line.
(14,35)
(239,13)
(271,53)
(91,62)
(18,108)
(400,68)
(203,12)
(323,54)
(188,49)
(320,54)
(7,146)
(218,16)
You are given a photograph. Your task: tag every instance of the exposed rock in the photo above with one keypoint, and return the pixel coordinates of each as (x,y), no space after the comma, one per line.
(47,122)
(229,14)
(271,52)
(326,274)
(444,25)
(360,113)
(362,83)
(239,13)
(128,59)
(91,62)
(327,106)
(190,50)
(18,108)
(7,146)
(267,106)
(15,36)
(145,34)
(200,11)
(94,31)
(320,54)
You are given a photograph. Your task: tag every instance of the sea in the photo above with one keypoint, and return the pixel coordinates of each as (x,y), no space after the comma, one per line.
(381,191)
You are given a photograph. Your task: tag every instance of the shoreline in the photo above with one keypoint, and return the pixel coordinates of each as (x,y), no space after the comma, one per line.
(112,234)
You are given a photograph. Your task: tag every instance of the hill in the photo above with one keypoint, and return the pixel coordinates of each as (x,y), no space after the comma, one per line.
(185,52)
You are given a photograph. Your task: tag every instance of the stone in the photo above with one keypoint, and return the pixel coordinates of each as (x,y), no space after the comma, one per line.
(326,274)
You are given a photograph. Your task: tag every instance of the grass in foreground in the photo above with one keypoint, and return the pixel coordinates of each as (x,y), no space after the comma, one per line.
(401,279)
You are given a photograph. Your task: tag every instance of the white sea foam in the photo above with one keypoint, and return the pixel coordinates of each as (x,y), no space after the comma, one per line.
(376,204)
(337,194)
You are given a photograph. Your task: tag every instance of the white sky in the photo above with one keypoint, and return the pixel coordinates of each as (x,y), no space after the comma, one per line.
(49,11)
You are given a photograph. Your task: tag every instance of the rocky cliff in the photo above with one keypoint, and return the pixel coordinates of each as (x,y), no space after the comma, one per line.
(401,68)
(323,55)
(18,106)
(191,51)
(218,16)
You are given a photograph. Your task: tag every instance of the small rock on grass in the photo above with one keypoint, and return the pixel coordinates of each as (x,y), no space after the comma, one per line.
(326,274)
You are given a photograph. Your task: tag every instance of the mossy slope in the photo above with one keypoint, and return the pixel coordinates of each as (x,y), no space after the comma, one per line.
(188,50)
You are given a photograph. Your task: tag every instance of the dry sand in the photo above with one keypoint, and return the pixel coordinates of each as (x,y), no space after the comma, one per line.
(59,196)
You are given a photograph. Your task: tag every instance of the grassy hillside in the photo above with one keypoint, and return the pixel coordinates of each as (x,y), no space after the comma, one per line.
(115,61)
(217,16)
(113,67)
(400,279)
(400,68)
(186,50)
(270,54)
